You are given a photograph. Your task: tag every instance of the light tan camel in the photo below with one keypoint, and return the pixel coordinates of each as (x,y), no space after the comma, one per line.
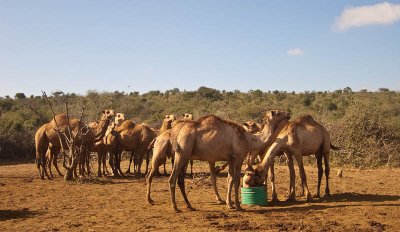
(213,139)
(163,149)
(47,138)
(253,128)
(300,137)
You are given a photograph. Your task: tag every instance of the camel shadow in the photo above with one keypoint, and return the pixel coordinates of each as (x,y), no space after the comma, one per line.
(317,204)
(15,214)
(358,197)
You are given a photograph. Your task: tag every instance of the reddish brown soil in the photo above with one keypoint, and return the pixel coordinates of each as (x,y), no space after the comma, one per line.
(363,200)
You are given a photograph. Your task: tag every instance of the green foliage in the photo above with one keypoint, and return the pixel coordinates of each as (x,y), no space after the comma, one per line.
(365,124)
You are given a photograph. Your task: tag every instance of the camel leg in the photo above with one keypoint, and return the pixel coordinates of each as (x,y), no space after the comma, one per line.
(147,152)
(149,179)
(218,169)
(320,174)
(292,181)
(165,170)
(214,182)
(105,169)
(230,184)
(299,159)
(178,165)
(49,161)
(236,180)
(44,166)
(191,167)
(181,184)
(140,161)
(271,178)
(55,162)
(130,162)
(118,155)
(88,163)
(99,161)
(327,170)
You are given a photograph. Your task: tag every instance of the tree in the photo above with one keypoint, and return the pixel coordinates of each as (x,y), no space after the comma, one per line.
(382,90)
(19,96)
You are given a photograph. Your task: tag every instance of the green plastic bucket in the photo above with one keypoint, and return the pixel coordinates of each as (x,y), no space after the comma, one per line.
(254,196)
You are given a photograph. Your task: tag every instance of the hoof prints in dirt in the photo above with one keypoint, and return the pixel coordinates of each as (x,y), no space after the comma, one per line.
(229,225)
(377,226)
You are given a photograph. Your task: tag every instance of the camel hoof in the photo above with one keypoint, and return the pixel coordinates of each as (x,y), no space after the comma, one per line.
(327,195)
(190,208)
(218,169)
(230,206)
(274,200)
(176,210)
(220,201)
(300,195)
(316,196)
(309,198)
(291,199)
(239,208)
(150,201)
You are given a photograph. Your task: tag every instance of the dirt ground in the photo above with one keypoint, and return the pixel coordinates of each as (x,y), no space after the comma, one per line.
(362,200)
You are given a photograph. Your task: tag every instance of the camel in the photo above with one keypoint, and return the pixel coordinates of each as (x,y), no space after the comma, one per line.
(164,141)
(163,149)
(212,139)
(101,146)
(301,137)
(47,137)
(130,137)
(251,127)
(166,125)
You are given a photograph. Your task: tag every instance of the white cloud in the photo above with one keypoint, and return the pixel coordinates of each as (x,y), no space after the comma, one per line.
(295,52)
(382,13)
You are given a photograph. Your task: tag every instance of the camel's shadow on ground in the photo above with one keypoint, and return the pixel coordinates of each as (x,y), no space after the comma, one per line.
(15,214)
(319,204)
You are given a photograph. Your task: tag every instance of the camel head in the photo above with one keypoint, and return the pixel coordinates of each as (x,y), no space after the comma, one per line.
(168,120)
(107,114)
(119,118)
(257,179)
(275,116)
(187,116)
(251,127)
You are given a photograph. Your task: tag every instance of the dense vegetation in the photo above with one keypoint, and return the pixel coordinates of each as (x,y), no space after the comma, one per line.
(365,124)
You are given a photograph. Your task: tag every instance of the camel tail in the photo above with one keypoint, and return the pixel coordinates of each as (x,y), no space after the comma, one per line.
(334,147)
(151,145)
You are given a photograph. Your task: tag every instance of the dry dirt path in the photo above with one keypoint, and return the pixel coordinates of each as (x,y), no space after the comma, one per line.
(363,200)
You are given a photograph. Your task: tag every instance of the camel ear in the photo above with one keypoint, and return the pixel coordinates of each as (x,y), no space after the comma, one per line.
(246,125)
(272,112)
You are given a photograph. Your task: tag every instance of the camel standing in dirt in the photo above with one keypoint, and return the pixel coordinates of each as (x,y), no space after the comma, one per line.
(48,138)
(166,125)
(130,137)
(213,139)
(101,146)
(300,137)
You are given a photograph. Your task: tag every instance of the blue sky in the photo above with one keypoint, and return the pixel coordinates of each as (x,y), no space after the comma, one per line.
(147,45)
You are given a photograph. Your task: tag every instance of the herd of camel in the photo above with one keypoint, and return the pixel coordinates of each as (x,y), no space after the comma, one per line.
(209,138)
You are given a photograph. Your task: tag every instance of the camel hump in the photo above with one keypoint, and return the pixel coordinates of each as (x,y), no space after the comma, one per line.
(127,124)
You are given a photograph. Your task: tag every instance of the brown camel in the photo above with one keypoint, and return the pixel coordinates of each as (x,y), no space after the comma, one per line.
(131,137)
(301,137)
(166,125)
(47,137)
(101,147)
(213,139)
